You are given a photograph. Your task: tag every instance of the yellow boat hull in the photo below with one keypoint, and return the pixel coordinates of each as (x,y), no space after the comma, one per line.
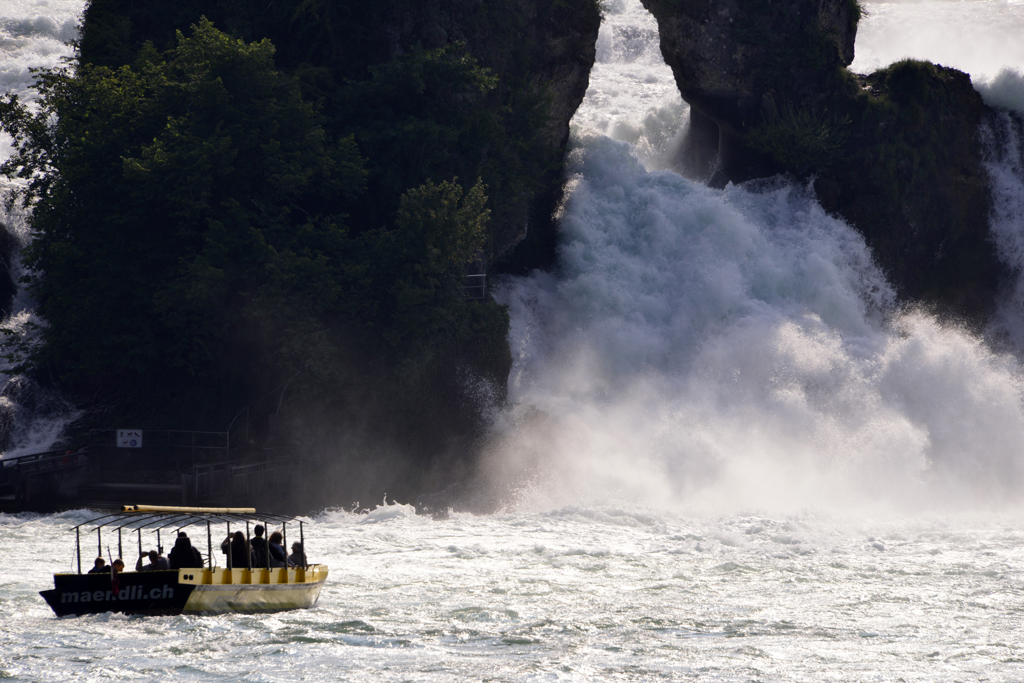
(224,591)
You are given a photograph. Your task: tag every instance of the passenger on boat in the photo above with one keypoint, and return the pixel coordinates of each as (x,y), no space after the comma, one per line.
(278,558)
(183,554)
(259,547)
(99,566)
(298,556)
(239,549)
(117,568)
(156,562)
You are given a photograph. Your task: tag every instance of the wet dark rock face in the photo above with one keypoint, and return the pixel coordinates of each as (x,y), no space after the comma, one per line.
(896,153)
(9,247)
(734,59)
(909,177)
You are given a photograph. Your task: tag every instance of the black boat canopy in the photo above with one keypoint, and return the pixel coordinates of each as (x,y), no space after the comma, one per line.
(159,517)
(151,516)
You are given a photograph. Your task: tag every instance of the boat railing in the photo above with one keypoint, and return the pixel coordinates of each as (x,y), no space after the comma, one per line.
(156,518)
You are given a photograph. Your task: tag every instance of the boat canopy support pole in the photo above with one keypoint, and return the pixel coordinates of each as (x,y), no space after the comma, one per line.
(120,550)
(248,545)
(302,542)
(209,545)
(99,543)
(230,566)
(78,548)
(140,542)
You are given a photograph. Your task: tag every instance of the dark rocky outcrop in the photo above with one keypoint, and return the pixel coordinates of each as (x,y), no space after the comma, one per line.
(424,92)
(733,59)
(9,247)
(896,153)
(909,177)
(534,47)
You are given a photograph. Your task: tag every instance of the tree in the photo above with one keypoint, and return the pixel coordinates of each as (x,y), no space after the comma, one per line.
(189,227)
(172,201)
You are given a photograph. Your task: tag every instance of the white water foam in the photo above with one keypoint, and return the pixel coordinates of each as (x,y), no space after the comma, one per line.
(1005,91)
(980,37)
(31,417)
(632,95)
(739,349)
(33,34)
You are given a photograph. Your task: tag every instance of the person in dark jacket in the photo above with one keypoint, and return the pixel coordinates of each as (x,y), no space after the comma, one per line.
(298,556)
(183,554)
(157,562)
(238,547)
(259,547)
(99,566)
(278,557)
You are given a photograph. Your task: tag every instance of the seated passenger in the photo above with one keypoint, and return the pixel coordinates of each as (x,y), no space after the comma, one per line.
(99,566)
(183,554)
(298,556)
(278,557)
(156,563)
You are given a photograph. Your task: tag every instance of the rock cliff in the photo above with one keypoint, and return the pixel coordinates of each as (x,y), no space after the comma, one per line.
(896,152)
(733,59)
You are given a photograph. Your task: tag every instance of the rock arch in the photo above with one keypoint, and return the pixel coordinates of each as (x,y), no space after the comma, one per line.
(735,61)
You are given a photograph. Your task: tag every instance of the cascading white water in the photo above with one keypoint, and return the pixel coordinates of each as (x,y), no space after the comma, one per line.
(739,348)
(32,418)
(32,35)
(981,37)
(697,348)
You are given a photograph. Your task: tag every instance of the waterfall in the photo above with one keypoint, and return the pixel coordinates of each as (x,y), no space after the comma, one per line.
(31,417)
(739,348)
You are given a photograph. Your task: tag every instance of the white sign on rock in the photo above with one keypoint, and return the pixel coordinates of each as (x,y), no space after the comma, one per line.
(129,438)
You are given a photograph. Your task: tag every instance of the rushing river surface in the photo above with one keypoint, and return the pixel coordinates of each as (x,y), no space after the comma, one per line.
(571,594)
(733,457)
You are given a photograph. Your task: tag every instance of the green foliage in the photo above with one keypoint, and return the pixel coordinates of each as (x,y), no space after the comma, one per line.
(857,11)
(801,141)
(418,117)
(436,114)
(189,221)
(908,81)
(422,262)
(166,197)
(371,70)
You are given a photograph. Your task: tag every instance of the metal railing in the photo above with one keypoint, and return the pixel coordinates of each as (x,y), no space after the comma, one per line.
(474,287)
(216,480)
(37,463)
(164,449)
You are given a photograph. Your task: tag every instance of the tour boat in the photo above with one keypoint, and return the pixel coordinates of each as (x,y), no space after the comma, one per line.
(191,590)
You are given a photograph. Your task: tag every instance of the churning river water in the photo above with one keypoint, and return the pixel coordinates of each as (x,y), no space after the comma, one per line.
(733,457)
